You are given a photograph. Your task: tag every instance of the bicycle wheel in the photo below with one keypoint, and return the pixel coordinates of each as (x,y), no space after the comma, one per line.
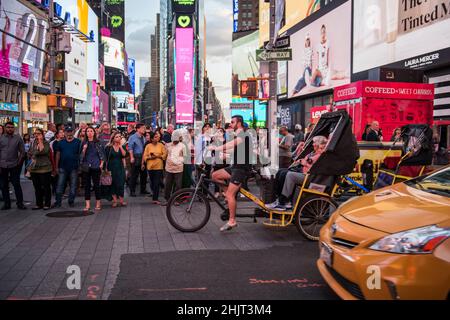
(313,215)
(188,214)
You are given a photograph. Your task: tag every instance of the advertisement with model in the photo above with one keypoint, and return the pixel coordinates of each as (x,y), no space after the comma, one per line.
(321,53)
(184,73)
(412,33)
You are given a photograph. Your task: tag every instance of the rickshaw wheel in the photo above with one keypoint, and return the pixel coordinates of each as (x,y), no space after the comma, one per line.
(313,214)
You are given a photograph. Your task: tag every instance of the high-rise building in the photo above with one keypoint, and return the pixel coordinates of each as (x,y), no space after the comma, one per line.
(245,15)
(182,57)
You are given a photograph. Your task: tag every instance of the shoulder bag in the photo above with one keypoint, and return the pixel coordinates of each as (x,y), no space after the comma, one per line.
(106,177)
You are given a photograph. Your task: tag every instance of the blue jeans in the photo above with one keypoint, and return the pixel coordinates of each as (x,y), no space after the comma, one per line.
(73,181)
(302,81)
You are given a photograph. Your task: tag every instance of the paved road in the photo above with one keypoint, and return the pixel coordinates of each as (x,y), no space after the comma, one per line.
(121,250)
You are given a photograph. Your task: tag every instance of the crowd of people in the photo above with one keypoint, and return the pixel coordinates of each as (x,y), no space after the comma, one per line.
(66,162)
(104,164)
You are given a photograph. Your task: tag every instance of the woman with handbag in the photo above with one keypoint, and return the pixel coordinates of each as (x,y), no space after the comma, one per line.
(41,170)
(115,169)
(92,157)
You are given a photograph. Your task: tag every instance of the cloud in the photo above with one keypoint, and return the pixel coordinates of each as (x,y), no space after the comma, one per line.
(219,28)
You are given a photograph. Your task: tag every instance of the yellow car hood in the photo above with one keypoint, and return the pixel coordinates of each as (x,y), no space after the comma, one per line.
(398,208)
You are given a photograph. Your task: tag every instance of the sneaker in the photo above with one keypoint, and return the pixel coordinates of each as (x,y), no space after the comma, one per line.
(228,227)
(280,207)
(272,205)
(288,205)
(56,205)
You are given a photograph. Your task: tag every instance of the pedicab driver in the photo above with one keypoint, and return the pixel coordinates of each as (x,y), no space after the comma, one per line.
(237,173)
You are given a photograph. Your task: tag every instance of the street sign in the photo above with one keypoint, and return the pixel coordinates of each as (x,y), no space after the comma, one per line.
(274,55)
(241,106)
(283,42)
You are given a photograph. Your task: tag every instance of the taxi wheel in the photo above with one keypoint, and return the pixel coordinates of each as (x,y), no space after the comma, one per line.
(314,213)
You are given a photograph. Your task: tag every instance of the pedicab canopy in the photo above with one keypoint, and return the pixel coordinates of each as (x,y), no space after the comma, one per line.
(342,151)
(417,145)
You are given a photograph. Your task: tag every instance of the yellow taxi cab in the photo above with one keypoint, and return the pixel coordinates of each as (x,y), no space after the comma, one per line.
(391,244)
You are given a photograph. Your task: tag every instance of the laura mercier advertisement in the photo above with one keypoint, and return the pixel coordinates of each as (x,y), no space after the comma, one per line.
(388,31)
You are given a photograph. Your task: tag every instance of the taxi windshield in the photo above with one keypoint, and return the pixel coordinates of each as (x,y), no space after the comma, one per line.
(436,183)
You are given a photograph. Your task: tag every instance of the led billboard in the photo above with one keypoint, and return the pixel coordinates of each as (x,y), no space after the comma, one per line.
(184,74)
(132,75)
(114,53)
(389,31)
(321,53)
(183,6)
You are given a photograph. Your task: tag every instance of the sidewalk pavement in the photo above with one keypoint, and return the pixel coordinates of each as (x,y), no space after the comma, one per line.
(35,250)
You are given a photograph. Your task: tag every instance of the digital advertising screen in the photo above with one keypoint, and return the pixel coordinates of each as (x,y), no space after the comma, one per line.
(116,11)
(184,74)
(321,54)
(183,6)
(132,74)
(415,33)
(114,53)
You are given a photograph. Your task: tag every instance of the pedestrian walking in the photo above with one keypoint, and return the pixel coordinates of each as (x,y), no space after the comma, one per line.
(41,169)
(115,163)
(167,136)
(153,161)
(285,147)
(67,162)
(136,144)
(92,159)
(105,134)
(58,138)
(27,145)
(50,135)
(174,165)
(12,155)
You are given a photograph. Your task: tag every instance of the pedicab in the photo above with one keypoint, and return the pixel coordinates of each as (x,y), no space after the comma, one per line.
(189,210)
(417,154)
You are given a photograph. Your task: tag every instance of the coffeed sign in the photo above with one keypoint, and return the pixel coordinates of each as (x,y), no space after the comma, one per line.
(416,14)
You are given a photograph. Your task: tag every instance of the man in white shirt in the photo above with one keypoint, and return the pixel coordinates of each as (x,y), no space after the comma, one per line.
(321,74)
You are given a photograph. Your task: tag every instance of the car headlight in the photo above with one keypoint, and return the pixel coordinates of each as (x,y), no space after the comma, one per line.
(416,241)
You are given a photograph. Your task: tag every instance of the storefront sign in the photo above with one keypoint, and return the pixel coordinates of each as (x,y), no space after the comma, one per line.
(385,90)
(13,107)
(317,112)
(35,116)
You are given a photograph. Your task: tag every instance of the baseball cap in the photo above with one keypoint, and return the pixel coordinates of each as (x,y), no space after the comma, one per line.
(68,129)
(298,127)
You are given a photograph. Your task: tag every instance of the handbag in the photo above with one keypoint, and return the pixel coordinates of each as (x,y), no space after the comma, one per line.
(106,177)
(84,167)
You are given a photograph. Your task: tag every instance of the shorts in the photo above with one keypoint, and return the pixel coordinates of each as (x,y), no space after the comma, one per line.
(238,176)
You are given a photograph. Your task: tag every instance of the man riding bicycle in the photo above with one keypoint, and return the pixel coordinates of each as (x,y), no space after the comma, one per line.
(237,173)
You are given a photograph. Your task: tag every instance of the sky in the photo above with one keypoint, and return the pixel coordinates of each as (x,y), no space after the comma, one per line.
(140,24)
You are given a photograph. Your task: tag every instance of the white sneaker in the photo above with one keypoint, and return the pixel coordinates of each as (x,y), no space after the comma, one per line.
(288,206)
(272,205)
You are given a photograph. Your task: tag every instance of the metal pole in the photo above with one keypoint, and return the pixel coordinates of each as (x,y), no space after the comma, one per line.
(51,15)
(272,108)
